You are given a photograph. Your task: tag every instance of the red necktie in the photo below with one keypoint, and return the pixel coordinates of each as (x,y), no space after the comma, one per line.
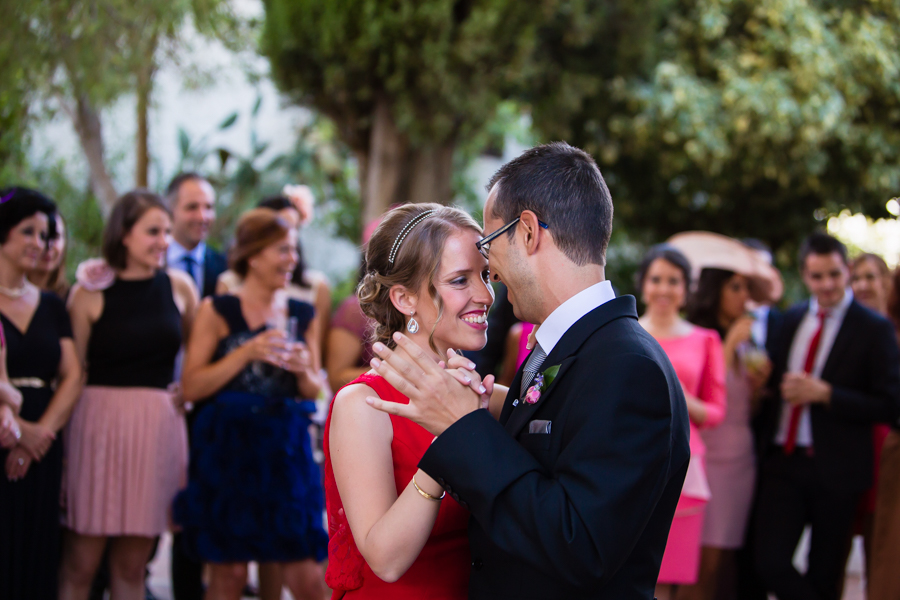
(791,441)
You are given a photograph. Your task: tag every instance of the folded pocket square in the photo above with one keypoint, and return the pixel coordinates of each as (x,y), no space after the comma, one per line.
(538,426)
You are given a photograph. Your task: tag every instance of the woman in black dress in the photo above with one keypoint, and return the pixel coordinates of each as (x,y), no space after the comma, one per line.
(126,444)
(40,352)
(10,402)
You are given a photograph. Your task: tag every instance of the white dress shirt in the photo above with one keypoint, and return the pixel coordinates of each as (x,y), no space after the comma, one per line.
(797,360)
(568,313)
(759,329)
(175,259)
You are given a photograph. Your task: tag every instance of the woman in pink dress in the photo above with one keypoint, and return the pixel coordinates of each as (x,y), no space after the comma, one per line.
(696,354)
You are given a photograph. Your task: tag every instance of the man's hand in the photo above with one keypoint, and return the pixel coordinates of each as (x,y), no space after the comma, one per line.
(436,398)
(800,389)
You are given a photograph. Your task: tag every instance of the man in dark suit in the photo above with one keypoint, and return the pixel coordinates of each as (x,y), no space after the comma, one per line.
(572,492)
(836,371)
(192,200)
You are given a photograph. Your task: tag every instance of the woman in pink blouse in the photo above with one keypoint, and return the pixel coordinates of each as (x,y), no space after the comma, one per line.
(696,353)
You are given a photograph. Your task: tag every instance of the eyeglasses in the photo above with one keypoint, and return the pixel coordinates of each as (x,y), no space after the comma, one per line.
(484,244)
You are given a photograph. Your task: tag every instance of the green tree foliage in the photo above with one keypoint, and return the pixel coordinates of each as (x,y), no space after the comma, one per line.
(739,116)
(86,54)
(405,82)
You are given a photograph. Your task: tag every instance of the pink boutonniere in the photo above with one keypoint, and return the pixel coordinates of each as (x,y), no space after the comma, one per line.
(541,382)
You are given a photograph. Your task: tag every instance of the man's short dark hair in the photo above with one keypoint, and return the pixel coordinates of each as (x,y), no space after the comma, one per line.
(175,185)
(19,204)
(563,186)
(821,243)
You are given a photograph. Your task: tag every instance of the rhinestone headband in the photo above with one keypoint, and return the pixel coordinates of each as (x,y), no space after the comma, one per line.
(405,231)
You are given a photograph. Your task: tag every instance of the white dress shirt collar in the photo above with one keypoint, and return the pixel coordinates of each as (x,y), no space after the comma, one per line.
(835,313)
(176,253)
(568,313)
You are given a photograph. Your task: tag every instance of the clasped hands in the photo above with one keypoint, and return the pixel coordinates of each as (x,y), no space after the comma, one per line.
(800,389)
(440,393)
(27,442)
(273,347)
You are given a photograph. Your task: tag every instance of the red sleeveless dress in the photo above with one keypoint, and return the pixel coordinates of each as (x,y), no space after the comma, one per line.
(442,569)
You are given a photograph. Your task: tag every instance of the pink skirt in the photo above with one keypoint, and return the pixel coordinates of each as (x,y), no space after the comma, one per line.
(681,560)
(126,458)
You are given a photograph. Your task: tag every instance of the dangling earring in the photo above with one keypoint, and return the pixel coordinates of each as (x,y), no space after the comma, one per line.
(412,326)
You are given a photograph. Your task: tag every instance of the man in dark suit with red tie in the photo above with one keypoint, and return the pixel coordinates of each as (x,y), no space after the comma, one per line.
(836,371)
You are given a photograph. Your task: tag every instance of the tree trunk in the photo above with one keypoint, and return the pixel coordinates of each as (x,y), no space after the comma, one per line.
(384,171)
(394,172)
(90,135)
(142,160)
(431,173)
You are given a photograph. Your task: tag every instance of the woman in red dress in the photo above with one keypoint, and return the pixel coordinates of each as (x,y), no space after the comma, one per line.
(392,533)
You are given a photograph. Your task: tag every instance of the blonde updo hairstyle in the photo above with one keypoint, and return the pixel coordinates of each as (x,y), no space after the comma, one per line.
(417,260)
(255,230)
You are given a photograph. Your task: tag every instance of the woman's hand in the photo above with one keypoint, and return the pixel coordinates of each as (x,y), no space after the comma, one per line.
(10,396)
(463,370)
(740,331)
(17,463)
(297,359)
(36,439)
(174,388)
(269,346)
(10,433)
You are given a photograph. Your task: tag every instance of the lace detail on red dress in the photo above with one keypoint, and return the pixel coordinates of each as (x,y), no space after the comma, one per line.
(346,564)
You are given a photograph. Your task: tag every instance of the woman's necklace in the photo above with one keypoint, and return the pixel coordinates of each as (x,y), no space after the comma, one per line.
(14,292)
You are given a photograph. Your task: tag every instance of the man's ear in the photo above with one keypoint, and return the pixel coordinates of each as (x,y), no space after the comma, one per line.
(404,300)
(530,231)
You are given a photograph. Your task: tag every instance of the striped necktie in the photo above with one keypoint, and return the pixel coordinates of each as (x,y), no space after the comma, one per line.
(531,368)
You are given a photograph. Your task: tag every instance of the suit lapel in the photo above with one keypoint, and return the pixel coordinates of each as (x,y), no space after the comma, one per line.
(514,418)
(210,272)
(512,395)
(841,341)
(792,320)
(523,412)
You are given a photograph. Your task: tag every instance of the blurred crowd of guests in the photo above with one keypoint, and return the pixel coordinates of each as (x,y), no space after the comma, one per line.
(110,436)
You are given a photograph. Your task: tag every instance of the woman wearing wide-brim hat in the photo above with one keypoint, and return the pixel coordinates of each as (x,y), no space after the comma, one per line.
(729,276)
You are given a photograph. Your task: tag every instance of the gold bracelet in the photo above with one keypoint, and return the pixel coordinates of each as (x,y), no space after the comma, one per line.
(425,494)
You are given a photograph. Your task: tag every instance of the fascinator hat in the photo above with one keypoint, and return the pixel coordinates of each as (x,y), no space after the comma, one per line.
(707,250)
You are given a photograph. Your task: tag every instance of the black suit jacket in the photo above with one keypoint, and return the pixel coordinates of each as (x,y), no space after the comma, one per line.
(863,369)
(214,264)
(584,511)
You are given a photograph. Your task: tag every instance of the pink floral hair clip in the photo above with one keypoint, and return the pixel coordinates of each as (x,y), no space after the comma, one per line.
(303,200)
(95,274)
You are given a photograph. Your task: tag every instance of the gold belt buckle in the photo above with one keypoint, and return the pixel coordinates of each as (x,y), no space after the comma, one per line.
(28,382)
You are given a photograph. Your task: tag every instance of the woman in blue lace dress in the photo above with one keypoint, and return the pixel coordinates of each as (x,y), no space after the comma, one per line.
(254,492)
